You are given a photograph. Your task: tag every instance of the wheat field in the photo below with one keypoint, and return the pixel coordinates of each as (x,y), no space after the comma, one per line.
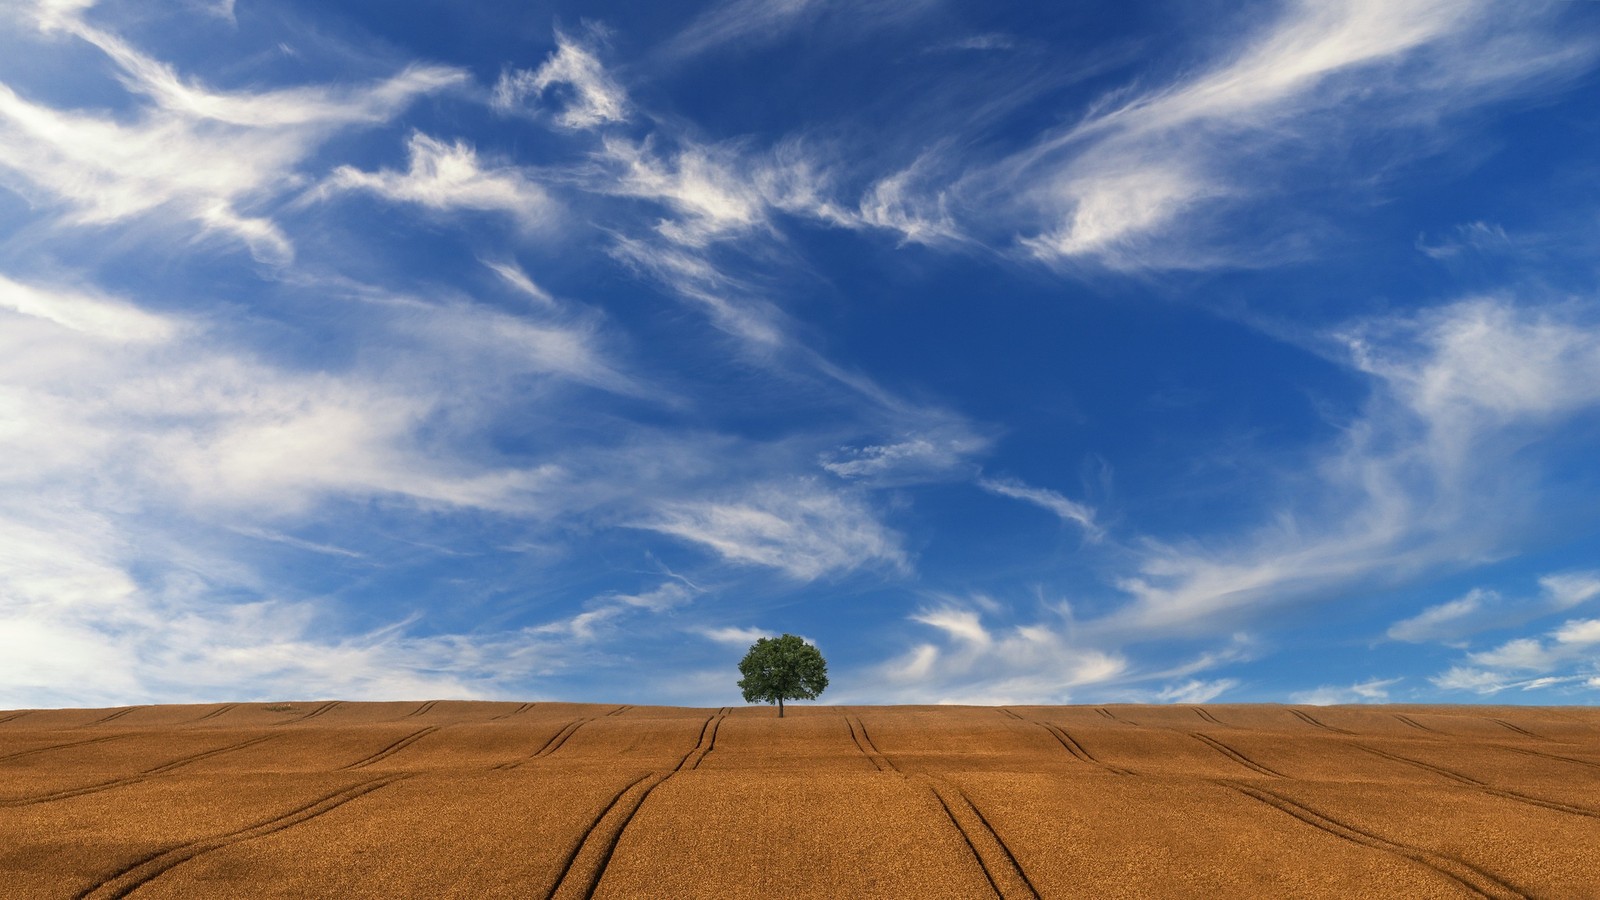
(473,799)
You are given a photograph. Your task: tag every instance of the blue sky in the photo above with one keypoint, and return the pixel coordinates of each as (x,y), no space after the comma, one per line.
(1012,353)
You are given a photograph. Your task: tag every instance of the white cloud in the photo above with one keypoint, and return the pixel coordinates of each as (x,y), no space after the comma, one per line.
(188,153)
(292,541)
(594,96)
(1480,609)
(1374,690)
(1196,691)
(513,275)
(1462,678)
(915,459)
(1441,622)
(900,203)
(1044,498)
(1479,237)
(97,316)
(77,628)
(1457,393)
(1519,654)
(1135,185)
(741,21)
(1485,362)
(1485,682)
(447,177)
(733,636)
(797,528)
(1562,655)
(739,25)
(1568,589)
(1581,632)
(174,410)
(704,185)
(732,306)
(975,664)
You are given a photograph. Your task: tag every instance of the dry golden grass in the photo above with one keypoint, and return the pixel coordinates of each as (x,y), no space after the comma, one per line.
(455,799)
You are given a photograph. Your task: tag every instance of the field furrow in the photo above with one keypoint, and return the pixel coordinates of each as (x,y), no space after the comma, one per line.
(148,869)
(1469,876)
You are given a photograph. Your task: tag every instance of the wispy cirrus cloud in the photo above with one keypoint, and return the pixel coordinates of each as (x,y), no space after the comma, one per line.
(1131,182)
(1444,621)
(936,455)
(450,176)
(973,663)
(1373,690)
(214,159)
(594,97)
(1196,690)
(1481,610)
(732,21)
(800,529)
(1454,390)
(741,25)
(1562,656)
(735,636)
(1066,509)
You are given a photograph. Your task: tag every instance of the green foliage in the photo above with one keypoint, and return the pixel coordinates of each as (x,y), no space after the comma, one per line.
(782,668)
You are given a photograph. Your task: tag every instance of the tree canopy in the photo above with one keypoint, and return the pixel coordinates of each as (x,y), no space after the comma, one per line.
(782,668)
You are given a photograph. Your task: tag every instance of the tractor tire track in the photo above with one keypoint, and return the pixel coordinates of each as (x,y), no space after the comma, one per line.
(392,749)
(1519,729)
(21,753)
(1312,720)
(586,863)
(207,754)
(703,746)
(1115,718)
(550,746)
(1205,715)
(1442,772)
(1417,725)
(1235,755)
(14,716)
(1077,749)
(145,775)
(421,710)
(998,863)
(515,712)
(156,864)
(113,717)
(321,710)
(619,711)
(1471,877)
(1006,712)
(1524,750)
(215,712)
(1469,781)
(858,733)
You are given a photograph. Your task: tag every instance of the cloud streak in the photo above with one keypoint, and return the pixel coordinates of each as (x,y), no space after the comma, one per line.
(211,158)
(594,97)
(450,176)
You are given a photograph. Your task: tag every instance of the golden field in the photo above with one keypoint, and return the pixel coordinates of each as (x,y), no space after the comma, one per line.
(469,799)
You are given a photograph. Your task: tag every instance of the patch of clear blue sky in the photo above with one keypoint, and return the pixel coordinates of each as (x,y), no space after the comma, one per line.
(1011,353)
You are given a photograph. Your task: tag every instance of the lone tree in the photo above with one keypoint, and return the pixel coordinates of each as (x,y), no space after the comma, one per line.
(782,668)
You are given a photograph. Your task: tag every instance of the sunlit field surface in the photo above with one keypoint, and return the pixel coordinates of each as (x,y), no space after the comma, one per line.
(439,799)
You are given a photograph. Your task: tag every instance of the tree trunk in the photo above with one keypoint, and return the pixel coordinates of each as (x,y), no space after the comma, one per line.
(780,707)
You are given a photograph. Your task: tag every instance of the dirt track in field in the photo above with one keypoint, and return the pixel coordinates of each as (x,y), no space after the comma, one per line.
(458,799)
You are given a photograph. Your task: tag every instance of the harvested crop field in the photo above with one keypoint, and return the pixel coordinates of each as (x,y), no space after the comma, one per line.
(462,799)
